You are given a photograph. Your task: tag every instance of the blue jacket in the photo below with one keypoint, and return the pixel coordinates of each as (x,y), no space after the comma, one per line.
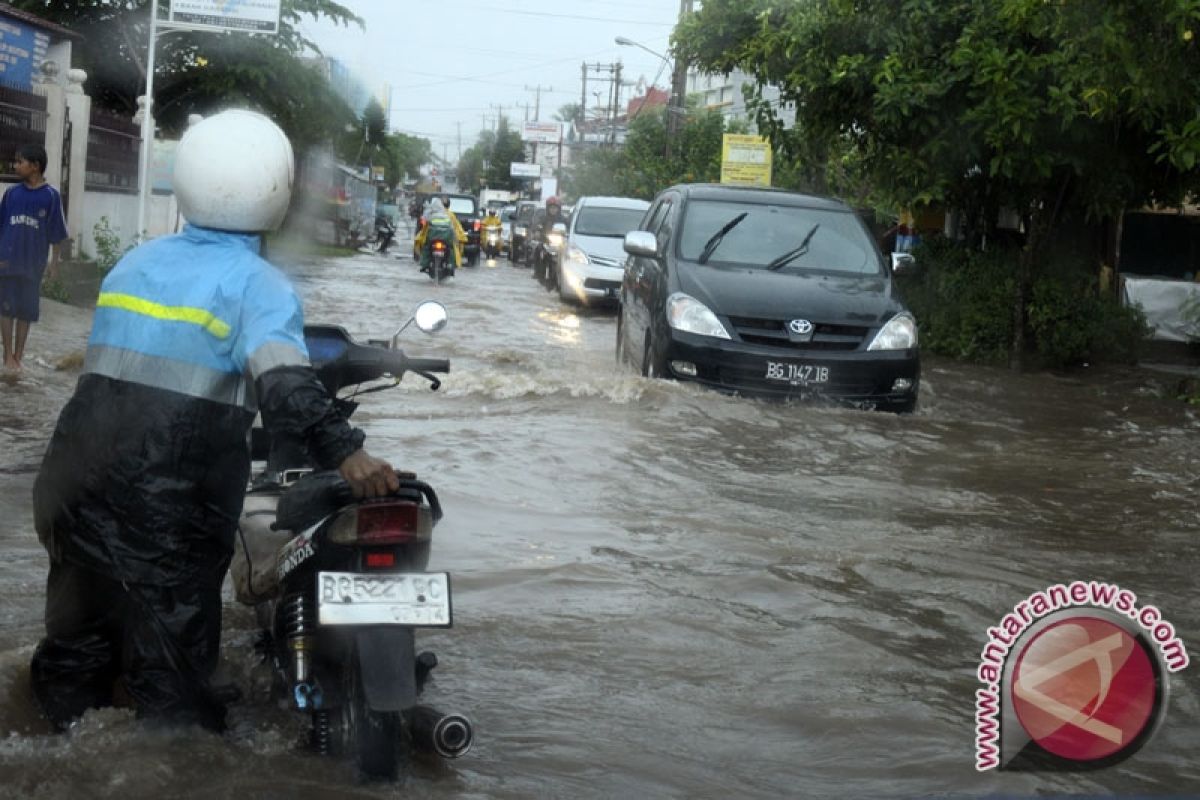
(145,474)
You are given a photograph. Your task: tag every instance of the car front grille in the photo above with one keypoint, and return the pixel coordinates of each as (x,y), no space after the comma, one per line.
(598,283)
(773,333)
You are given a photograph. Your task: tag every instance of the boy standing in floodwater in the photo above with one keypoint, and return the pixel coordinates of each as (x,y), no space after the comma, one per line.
(31,226)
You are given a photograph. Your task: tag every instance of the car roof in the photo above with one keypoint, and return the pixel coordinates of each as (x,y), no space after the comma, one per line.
(614,202)
(756,194)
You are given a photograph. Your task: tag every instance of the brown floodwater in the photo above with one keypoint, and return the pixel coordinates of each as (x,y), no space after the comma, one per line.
(667,592)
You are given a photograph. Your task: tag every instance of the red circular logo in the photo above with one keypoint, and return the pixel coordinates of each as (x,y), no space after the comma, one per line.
(1084,688)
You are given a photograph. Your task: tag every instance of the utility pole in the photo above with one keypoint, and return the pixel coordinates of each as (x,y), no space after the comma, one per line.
(616,103)
(537,108)
(459,124)
(677,101)
(583,94)
(499,113)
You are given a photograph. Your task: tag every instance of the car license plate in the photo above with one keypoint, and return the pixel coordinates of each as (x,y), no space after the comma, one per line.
(355,598)
(796,374)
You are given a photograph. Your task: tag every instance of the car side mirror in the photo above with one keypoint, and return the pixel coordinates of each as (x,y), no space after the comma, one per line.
(641,243)
(903,262)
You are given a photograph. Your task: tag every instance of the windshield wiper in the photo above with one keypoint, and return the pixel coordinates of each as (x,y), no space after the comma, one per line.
(792,255)
(712,243)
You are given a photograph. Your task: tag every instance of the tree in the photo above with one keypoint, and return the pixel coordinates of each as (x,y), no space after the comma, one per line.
(1059,110)
(197,72)
(639,169)
(508,148)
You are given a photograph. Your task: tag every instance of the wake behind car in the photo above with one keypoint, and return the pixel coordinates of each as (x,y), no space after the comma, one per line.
(769,293)
(591,264)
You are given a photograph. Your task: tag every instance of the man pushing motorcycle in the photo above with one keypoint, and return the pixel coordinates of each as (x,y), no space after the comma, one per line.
(138,496)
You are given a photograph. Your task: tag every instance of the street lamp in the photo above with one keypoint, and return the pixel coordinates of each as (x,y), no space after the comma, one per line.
(675,103)
(625,42)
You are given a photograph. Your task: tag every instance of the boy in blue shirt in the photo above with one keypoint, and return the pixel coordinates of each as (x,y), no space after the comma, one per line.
(31,226)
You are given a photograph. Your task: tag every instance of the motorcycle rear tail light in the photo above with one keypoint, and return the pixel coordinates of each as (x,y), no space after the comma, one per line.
(476,224)
(384,522)
(439,245)
(382,560)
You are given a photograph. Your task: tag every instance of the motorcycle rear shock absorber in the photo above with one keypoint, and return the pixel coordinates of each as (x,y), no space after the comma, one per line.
(298,626)
(321,735)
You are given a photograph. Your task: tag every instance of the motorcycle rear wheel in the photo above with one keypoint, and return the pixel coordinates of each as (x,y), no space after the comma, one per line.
(372,736)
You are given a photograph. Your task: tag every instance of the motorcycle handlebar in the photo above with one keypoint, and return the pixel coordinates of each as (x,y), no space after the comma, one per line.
(427,364)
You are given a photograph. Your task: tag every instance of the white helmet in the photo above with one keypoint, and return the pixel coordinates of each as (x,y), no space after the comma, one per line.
(234,172)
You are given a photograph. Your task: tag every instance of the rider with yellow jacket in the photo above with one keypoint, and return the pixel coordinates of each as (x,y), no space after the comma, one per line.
(439,213)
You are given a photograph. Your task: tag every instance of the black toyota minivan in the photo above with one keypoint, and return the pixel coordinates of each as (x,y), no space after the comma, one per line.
(765,292)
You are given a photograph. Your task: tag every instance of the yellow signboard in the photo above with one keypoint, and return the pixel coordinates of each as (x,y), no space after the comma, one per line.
(745,160)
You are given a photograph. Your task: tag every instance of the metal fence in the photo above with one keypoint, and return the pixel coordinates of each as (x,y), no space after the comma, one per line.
(22,121)
(112,154)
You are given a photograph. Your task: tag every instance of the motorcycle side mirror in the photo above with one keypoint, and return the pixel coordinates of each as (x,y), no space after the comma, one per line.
(430,317)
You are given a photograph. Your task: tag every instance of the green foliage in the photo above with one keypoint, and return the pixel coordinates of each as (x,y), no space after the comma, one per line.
(108,246)
(55,289)
(1050,108)
(641,168)
(487,161)
(1072,324)
(964,301)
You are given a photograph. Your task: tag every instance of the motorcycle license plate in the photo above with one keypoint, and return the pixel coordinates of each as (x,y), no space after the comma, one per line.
(354,598)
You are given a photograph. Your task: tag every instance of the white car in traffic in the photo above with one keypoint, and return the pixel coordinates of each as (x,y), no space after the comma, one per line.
(593,259)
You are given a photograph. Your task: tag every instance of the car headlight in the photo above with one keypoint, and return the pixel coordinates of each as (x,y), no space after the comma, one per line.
(577,256)
(900,333)
(686,313)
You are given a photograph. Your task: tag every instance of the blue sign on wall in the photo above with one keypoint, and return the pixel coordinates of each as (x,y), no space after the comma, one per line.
(22,49)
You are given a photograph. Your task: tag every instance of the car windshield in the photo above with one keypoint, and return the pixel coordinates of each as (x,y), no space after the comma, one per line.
(774,236)
(462,205)
(507,214)
(607,221)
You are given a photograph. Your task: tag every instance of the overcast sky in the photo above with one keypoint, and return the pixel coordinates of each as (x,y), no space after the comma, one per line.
(449,63)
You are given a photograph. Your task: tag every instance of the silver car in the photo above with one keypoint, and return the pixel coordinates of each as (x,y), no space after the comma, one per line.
(593,258)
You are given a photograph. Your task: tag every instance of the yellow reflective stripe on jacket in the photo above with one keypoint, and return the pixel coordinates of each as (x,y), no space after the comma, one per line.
(137,305)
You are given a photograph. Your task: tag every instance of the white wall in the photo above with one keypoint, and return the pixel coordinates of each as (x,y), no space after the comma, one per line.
(121,211)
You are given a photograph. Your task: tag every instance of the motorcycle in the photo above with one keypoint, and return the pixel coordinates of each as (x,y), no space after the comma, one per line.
(339,585)
(385,234)
(545,257)
(491,241)
(441,264)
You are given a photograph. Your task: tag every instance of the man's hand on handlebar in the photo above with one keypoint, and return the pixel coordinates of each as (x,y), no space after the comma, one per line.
(368,476)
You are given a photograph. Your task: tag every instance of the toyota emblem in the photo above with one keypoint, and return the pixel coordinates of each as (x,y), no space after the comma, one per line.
(800,327)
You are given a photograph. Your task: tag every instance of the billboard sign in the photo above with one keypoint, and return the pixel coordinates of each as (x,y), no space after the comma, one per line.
(745,160)
(520,170)
(248,16)
(542,132)
(22,50)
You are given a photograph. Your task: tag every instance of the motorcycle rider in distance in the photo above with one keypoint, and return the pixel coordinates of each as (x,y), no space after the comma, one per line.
(543,223)
(438,215)
(138,495)
(491,221)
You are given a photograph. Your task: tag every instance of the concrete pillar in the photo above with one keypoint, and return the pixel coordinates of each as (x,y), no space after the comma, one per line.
(79,106)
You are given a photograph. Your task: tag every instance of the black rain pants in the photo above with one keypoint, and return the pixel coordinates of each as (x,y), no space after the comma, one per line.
(160,642)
